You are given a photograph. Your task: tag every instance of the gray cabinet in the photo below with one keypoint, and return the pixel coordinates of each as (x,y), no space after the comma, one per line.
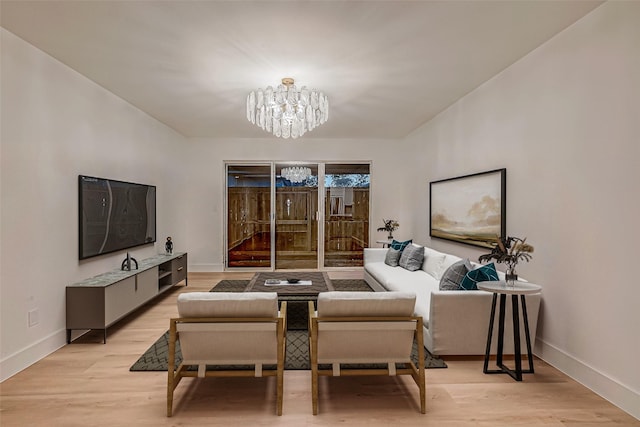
(100,301)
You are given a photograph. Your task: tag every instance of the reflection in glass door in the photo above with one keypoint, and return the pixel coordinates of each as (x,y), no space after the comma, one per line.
(296,209)
(248,215)
(346,222)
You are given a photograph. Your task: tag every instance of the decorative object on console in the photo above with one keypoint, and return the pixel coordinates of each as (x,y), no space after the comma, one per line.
(286,111)
(469,209)
(168,247)
(296,174)
(509,251)
(126,263)
(390,225)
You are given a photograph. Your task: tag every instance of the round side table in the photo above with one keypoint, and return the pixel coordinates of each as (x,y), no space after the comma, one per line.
(503,289)
(385,243)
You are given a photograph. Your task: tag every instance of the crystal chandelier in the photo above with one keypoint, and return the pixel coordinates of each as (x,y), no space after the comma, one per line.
(296,173)
(286,111)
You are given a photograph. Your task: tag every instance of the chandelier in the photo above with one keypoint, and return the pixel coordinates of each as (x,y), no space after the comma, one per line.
(296,173)
(286,111)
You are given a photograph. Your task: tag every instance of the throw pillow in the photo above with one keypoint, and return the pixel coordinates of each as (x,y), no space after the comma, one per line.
(399,245)
(481,274)
(392,257)
(412,257)
(433,262)
(453,276)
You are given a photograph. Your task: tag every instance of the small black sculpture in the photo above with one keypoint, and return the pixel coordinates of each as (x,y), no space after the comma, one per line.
(126,263)
(168,247)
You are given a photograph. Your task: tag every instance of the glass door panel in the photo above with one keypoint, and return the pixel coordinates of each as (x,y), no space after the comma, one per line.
(296,208)
(248,216)
(346,226)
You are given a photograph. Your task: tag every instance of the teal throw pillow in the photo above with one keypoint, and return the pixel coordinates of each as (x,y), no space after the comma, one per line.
(454,275)
(484,273)
(399,246)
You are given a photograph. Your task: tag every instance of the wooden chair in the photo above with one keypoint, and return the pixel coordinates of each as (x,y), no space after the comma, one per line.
(365,328)
(228,328)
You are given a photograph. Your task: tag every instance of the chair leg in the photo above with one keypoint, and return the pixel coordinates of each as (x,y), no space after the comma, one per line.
(313,353)
(421,375)
(282,345)
(171,367)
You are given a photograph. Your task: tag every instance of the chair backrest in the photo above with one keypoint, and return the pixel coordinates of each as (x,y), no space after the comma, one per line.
(363,304)
(373,327)
(228,304)
(228,342)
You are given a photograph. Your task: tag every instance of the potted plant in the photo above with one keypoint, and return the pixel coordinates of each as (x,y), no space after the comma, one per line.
(510,251)
(390,225)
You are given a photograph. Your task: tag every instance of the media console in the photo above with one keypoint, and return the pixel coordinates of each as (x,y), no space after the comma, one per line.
(100,301)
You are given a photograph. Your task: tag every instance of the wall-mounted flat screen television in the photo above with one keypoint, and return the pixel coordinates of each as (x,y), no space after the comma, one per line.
(114,215)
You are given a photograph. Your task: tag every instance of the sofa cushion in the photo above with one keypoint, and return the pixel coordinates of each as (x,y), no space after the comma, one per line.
(482,274)
(453,276)
(433,262)
(399,245)
(392,257)
(412,257)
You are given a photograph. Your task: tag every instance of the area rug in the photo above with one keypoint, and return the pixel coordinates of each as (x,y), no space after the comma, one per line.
(297,356)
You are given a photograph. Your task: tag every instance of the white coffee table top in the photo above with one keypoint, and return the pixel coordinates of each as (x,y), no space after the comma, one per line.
(501,287)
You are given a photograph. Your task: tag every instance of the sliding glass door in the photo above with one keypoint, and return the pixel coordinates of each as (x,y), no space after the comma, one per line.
(249,215)
(296,216)
(346,219)
(277,218)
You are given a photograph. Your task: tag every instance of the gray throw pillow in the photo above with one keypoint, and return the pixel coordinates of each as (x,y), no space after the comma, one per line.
(392,257)
(453,276)
(412,257)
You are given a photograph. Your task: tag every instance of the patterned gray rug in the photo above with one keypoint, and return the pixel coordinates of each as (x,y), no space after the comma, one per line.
(297,357)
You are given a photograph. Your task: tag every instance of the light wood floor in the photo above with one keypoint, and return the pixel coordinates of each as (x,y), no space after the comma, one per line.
(88,383)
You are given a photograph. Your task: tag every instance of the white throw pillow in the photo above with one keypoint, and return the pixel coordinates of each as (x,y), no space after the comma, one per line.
(433,262)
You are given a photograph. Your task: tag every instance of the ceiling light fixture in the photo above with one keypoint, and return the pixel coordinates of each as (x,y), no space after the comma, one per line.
(286,111)
(296,173)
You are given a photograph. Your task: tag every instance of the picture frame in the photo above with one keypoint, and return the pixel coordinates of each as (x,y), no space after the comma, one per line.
(469,209)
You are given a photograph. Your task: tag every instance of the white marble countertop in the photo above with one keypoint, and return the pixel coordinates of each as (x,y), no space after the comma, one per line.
(113,276)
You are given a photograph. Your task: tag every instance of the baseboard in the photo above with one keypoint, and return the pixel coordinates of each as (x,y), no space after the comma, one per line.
(608,388)
(205,268)
(20,360)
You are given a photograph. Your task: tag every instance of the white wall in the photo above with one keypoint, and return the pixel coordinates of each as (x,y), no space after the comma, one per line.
(207,182)
(565,122)
(56,124)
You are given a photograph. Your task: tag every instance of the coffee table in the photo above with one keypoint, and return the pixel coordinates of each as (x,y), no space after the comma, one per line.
(320,282)
(297,296)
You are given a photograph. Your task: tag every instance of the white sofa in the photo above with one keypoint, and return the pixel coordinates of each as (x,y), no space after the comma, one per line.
(455,322)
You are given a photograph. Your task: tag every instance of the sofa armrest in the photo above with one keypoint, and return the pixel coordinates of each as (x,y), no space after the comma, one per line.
(459,320)
(374,255)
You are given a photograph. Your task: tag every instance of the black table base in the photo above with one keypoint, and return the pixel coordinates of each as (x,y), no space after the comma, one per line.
(516,373)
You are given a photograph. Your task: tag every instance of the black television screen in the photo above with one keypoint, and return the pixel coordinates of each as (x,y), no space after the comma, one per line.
(114,215)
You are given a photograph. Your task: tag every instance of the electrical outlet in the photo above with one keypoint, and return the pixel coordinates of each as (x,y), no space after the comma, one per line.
(34,317)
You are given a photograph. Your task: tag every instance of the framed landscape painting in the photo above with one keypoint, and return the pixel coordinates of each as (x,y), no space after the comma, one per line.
(469,209)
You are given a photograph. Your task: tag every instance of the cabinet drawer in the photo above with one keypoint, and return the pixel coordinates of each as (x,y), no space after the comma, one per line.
(179,269)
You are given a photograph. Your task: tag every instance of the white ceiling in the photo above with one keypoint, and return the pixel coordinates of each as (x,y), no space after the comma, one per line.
(386,66)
